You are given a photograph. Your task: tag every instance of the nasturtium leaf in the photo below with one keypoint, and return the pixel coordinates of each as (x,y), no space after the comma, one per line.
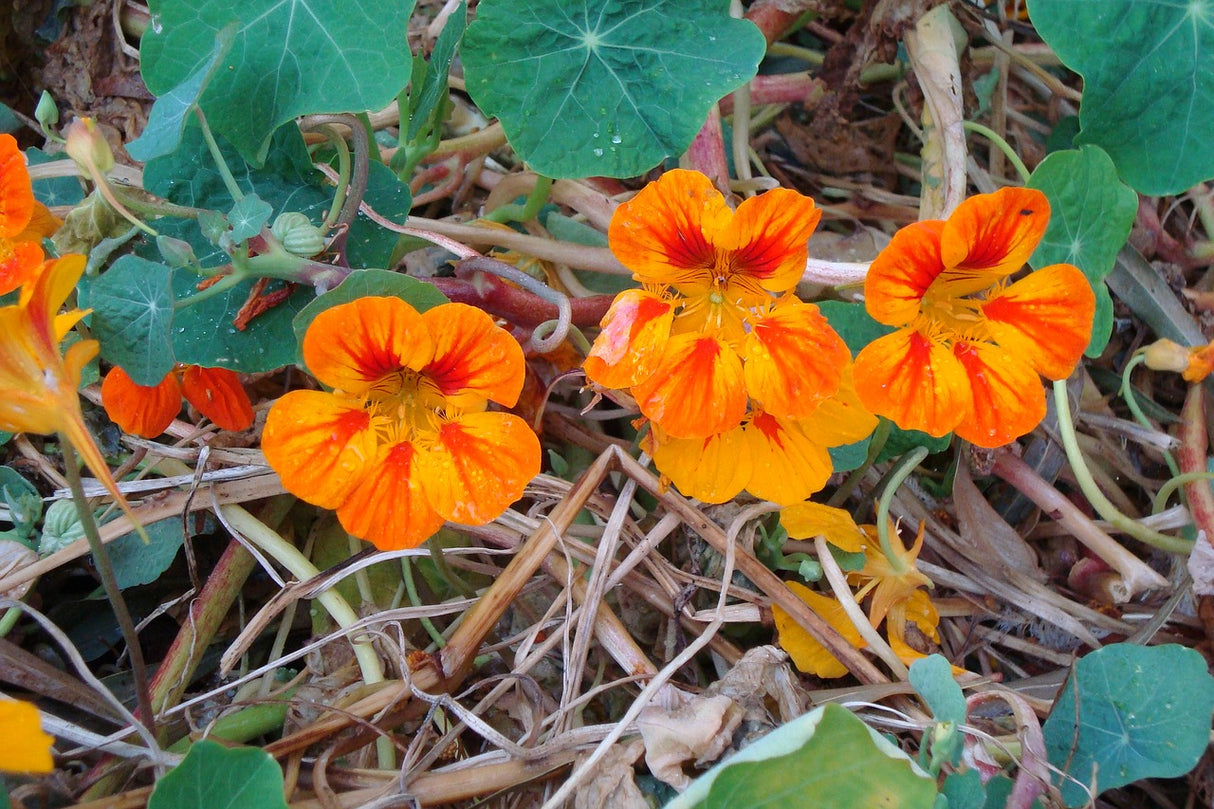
(288,58)
(167,119)
(132,317)
(368,244)
(964,790)
(52,191)
(429,83)
(605,87)
(248,216)
(1129,712)
(1148,83)
(932,677)
(212,776)
(1091,213)
(828,754)
(137,562)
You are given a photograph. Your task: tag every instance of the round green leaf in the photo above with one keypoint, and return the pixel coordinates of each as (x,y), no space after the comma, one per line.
(1129,712)
(1148,83)
(212,776)
(132,316)
(605,87)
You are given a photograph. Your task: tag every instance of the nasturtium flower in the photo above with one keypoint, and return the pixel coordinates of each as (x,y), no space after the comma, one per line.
(148,410)
(23,220)
(404,440)
(38,385)
(24,746)
(894,589)
(970,343)
(1193,364)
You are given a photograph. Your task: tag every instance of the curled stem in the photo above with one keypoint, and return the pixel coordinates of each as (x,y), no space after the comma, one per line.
(897,475)
(543,338)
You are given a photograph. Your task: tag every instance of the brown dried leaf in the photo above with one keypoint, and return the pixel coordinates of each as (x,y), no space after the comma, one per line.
(993,543)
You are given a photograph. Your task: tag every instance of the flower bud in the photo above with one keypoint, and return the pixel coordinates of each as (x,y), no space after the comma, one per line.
(1165,355)
(88,147)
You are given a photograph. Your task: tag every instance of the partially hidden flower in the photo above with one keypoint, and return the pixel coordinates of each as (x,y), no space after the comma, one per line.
(894,588)
(1193,364)
(148,410)
(24,746)
(722,359)
(23,220)
(38,385)
(404,440)
(970,343)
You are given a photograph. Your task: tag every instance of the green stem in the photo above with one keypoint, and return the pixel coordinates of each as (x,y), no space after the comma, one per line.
(897,475)
(1131,402)
(1102,505)
(220,287)
(1003,146)
(221,165)
(8,621)
(1165,491)
(513,212)
(101,558)
(879,438)
(343,172)
(406,568)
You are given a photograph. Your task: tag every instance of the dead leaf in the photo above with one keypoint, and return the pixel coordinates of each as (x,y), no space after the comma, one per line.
(992,542)
(613,786)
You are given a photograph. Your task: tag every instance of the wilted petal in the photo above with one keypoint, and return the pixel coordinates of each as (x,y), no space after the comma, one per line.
(478,465)
(808,520)
(714,469)
(354,345)
(140,409)
(788,465)
(634,334)
(474,359)
(807,654)
(697,389)
(1046,318)
(389,507)
(319,444)
(767,238)
(915,382)
(218,395)
(899,276)
(993,235)
(794,360)
(1007,395)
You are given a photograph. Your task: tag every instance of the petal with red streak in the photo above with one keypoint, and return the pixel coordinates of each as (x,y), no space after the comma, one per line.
(1046,318)
(635,330)
(794,360)
(1008,398)
(768,238)
(474,359)
(994,234)
(16,193)
(697,389)
(218,395)
(140,409)
(788,465)
(320,445)
(352,346)
(901,273)
(714,469)
(915,382)
(478,465)
(389,507)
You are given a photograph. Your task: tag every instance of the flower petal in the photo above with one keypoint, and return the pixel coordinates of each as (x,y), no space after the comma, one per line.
(139,409)
(352,346)
(913,381)
(635,330)
(16,193)
(24,746)
(218,395)
(841,419)
(794,360)
(664,234)
(479,464)
(899,276)
(1008,398)
(789,466)
(714,469)
(474,359)
(320,445)
(808,520)
(807,654)
(389,507)
(696,390)
(994,234)
(19,263)
(768,237)
(1045,317)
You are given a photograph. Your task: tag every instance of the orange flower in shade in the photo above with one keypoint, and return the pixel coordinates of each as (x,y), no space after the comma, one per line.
(970,344)
(149,410)
(37,385)
(24,746)
(729,367)
(894,588)
(404,441)
(23,220)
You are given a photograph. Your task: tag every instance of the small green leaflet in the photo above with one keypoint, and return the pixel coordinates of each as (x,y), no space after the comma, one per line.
(132,307)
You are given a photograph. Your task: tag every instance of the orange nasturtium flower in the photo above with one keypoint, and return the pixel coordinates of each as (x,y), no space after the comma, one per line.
(38,385)
(149,410)
(23,220)
(893,588)
(1194,364)
(970,345)
(24,746)
(721,358)
(404,441)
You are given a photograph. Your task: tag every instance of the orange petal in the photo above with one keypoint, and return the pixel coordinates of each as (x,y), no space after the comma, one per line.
(665,233)
(319,444)
(899,276)
(474,360)
(42,223)
(1046,318)
(994,234)
(808,520)
(218,395)
(794,360)
(479,464)
(714,469)
(139,409)
(841,419)
(913,381)
(389,508)
(19,263)
(352,346)
(16,193)
(41,299)
(789,466)
(806,652)
(768,238)
(24,746)
(1008,397)
(697,389)
(635,330)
